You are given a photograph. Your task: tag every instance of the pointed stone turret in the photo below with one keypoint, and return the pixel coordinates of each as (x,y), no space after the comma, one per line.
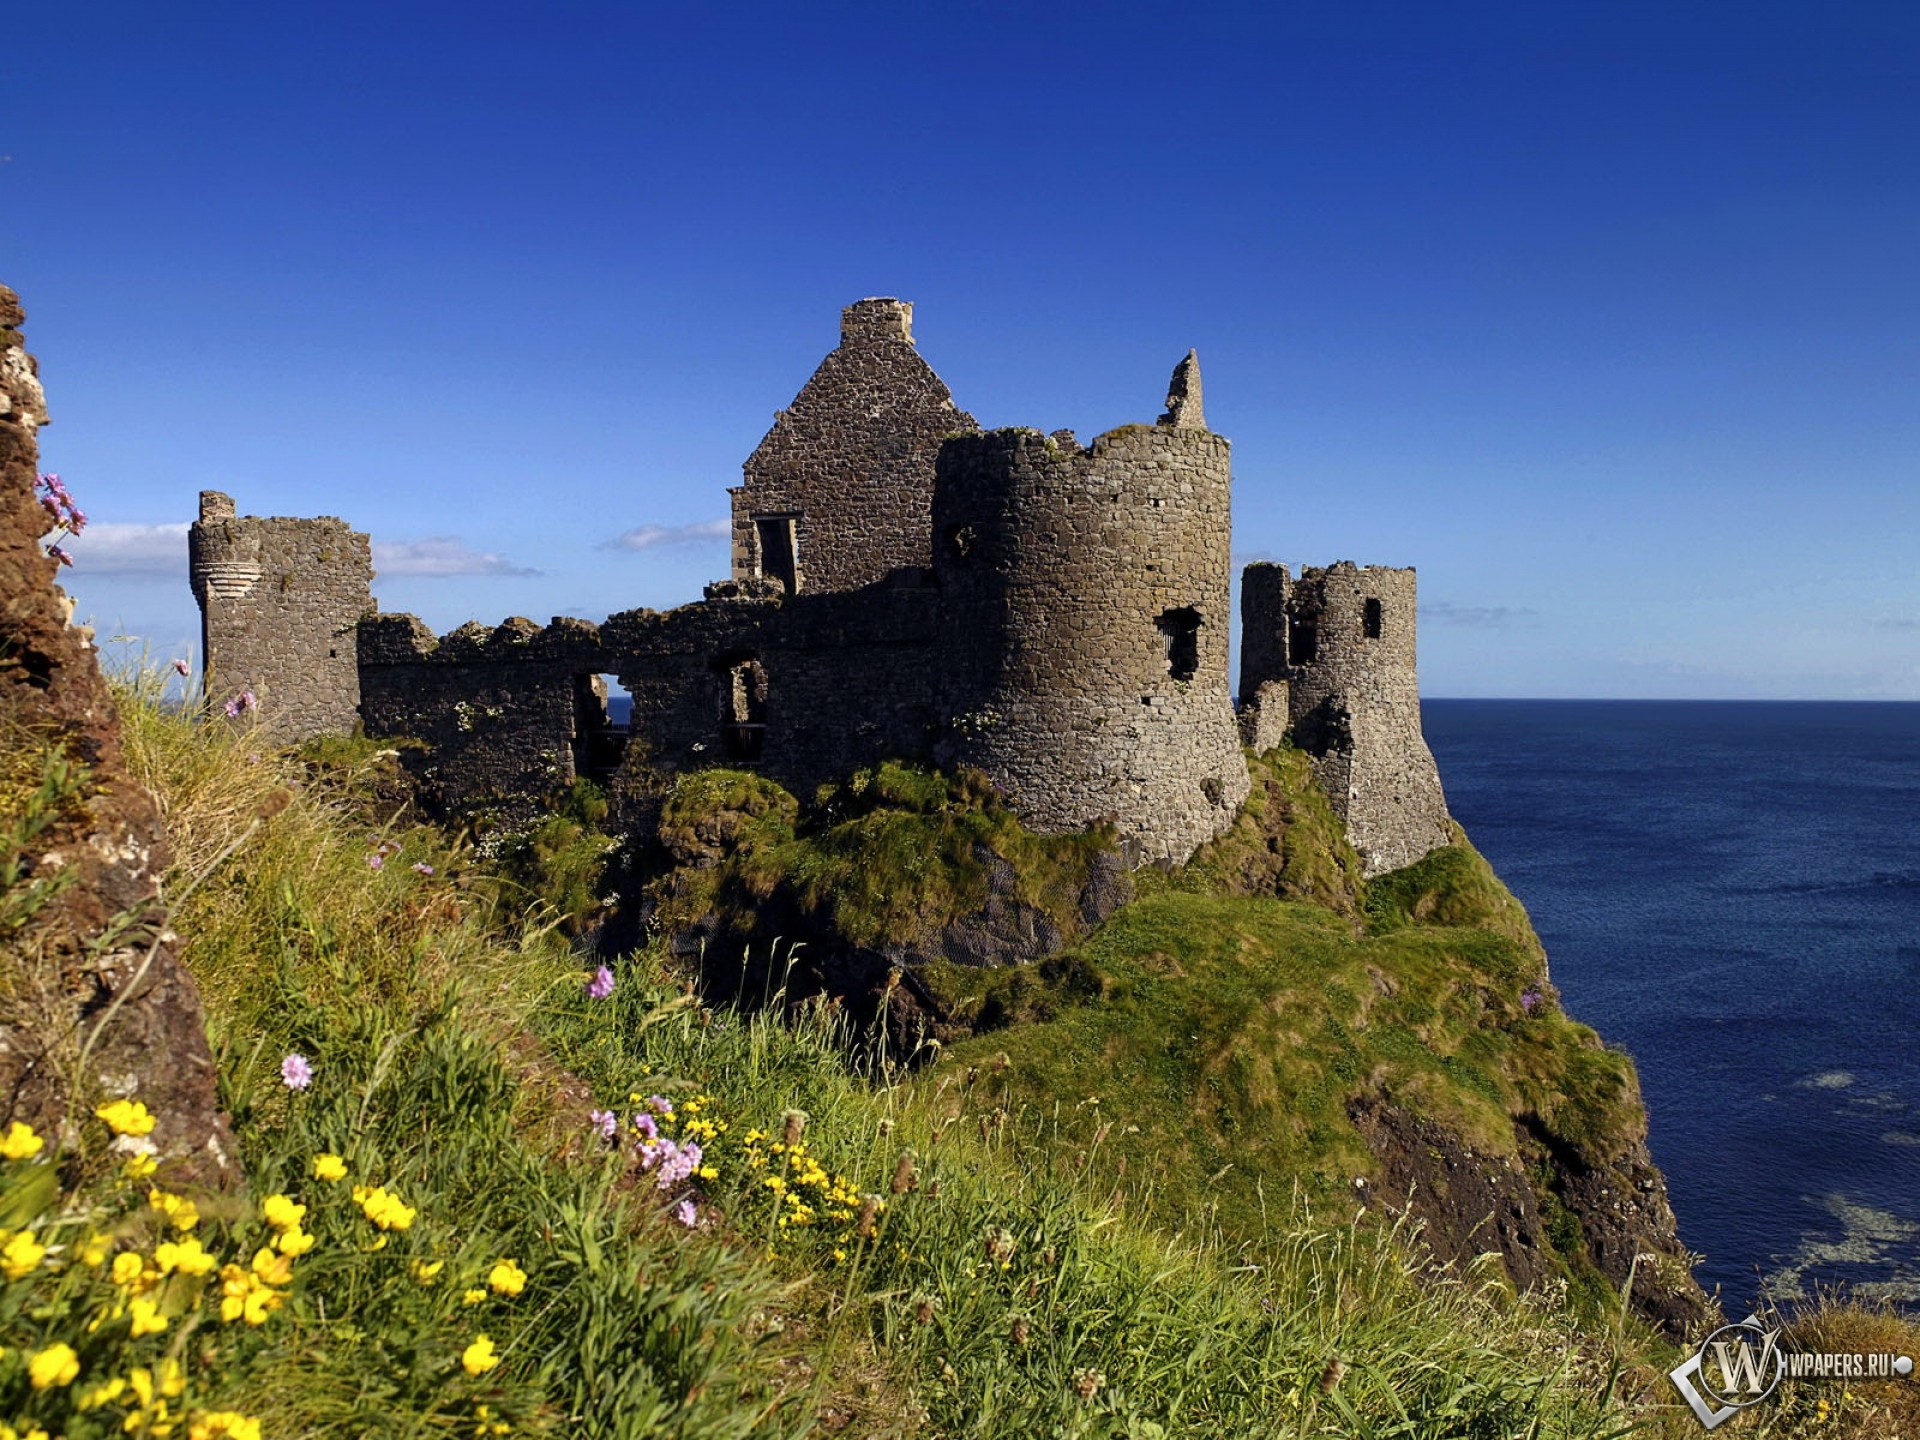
(1183,396)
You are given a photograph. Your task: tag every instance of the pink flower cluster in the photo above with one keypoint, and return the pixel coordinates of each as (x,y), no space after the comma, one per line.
(601,985)
(68,516)
(670,1161)
(242,704)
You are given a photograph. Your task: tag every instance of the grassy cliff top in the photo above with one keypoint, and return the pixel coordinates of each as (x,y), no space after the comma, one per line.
(845,1255)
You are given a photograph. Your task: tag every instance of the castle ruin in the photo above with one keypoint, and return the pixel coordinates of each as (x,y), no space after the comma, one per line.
(903,586)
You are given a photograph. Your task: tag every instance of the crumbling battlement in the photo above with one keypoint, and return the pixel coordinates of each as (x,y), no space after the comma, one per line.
(279,603)
(903,586)
(1337,648)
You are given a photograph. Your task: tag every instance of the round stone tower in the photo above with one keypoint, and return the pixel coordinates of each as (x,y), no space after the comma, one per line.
(1087,596)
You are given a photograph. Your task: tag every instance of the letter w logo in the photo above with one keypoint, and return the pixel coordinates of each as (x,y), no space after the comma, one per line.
(1742,1371)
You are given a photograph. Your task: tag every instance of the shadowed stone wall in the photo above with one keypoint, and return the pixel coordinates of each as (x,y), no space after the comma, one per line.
(279,602)
(1342,639)
(805,689)
(845,476)
(1087,600)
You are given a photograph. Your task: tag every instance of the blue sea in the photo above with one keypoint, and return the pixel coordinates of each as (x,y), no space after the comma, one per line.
(1730,892)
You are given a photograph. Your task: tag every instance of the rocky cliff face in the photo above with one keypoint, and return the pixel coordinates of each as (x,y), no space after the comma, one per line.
(93,1002)
(1546,1209)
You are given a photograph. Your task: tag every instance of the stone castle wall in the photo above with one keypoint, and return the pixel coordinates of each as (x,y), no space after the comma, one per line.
(1342,639)
(805,689)
(850,461)
(1087,600)
(280,601)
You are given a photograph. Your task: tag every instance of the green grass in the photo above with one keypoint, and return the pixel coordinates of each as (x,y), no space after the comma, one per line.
(977,1252)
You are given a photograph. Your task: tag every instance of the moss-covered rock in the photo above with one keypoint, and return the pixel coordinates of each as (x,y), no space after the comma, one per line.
(1286,843)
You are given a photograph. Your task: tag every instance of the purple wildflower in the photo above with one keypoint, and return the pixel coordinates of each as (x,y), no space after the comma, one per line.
(601,985)
(670,1162)
(1530,999)
(605,1121)
(241,704)
(660,1105)
(182,667)
(686,1213)
(420,867)
(376,860)
(649,1131)
(295,1072)
(57,553)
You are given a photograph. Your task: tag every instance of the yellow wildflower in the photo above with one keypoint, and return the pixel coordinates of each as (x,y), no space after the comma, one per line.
(187,1257)
(127,1117)
(383,1208)
(139,1167)
(271,1268)
(295,1243)
(20,1143)
(127,1268)
(243,1297)
(169,1383)
(477,1358)
(507,1278)
(426,1272)
(147,1319)
(93,1251)
(180,1211)
(329,1167)
(473,1297)
(281,1213)
(21,1255)
(55,1366)
(224,1425)
(105,1393)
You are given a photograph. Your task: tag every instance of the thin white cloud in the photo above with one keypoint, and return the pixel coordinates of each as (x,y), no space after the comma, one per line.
(109,547)
(1474,617)
(649,537)
(439,556)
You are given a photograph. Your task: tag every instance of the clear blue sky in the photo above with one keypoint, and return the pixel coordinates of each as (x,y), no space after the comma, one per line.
(1607,318)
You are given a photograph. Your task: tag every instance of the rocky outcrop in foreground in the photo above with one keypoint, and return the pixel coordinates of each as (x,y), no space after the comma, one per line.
(94,1003)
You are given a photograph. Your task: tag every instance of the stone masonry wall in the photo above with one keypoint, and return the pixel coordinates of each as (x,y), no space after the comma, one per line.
(851,459)
(279,602)
(1087,614)
(1343,639)
(805,689)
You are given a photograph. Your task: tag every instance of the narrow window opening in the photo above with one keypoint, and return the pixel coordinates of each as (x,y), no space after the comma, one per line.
(601,715)
(743,706)
(1371,620)
(1180,635)
(779,551)
(1303,641)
